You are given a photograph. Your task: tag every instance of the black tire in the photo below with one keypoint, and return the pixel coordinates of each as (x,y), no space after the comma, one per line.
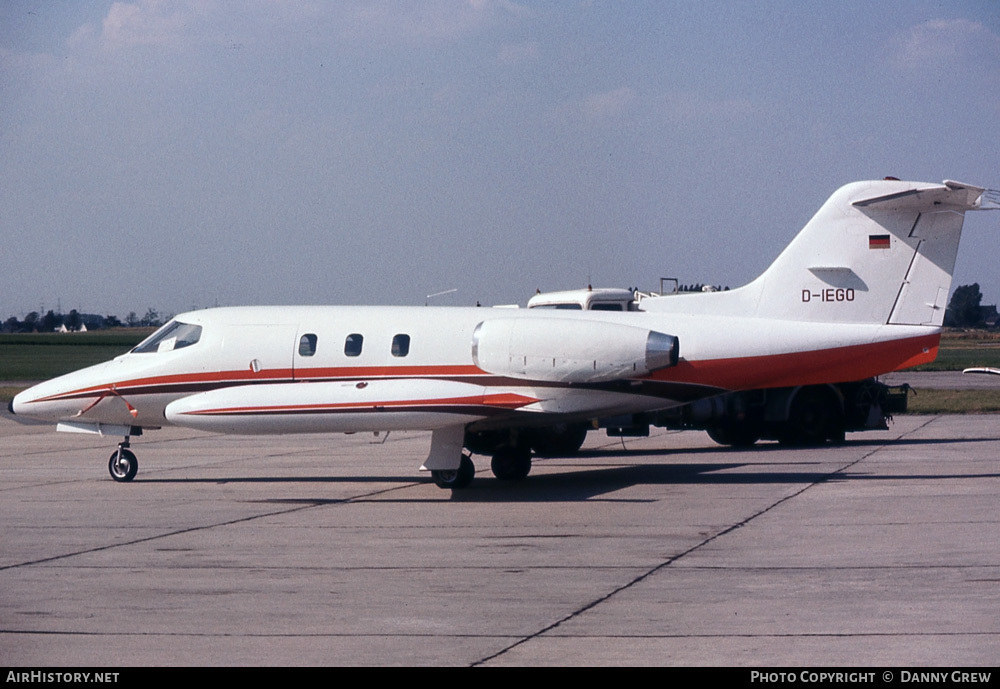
(125,469)
(511,463)
(560,440)
(455,478)
(736,434)
(815,417)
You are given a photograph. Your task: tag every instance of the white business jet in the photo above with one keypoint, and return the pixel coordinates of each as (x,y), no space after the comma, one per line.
(860,291)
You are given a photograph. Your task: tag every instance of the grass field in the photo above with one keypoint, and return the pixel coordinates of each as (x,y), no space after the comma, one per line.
(960,350)
(954,402)
(40,356)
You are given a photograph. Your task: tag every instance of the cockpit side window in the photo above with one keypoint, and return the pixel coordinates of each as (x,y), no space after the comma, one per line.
(174,335)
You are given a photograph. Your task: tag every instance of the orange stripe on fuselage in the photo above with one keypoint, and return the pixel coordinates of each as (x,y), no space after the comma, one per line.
(386,372)
(838,364)
(507,401)
(285,375)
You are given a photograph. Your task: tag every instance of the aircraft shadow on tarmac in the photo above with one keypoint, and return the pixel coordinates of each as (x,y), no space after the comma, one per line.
(580,481)
(767,447)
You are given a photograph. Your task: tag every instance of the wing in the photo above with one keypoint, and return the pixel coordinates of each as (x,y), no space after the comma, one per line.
(379,405)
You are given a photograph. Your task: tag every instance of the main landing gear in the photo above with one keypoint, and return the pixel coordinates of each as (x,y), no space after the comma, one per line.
(123,465)
(511,463)
(455,478)
(511,450)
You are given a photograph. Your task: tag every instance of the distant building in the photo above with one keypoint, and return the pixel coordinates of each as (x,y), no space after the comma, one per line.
(990,315)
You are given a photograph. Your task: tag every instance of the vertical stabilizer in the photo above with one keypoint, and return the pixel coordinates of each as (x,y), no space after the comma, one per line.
(876,252)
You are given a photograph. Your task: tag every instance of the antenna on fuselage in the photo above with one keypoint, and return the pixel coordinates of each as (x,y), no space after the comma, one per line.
(440,294)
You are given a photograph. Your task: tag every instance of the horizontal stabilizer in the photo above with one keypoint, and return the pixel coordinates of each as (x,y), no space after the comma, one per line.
(950,195)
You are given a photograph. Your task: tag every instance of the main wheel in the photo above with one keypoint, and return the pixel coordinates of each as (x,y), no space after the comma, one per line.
(123,465)
(815,417)
(734,434)
(511,463)
(455,478)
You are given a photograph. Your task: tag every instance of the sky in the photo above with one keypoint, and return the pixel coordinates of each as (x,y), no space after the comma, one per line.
(184,154)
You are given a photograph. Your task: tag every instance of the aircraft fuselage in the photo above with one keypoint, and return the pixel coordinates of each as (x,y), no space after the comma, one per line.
(317,368)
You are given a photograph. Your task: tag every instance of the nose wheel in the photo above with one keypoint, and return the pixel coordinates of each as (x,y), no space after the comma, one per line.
(123,465)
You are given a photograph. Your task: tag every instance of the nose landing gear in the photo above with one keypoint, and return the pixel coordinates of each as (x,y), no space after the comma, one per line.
(123,465)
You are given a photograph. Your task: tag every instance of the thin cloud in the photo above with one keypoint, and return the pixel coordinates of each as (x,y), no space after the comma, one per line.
(613,103)
(945,42)
(148,23)
(430,20)
(180,24)
(518,53)
(686,106)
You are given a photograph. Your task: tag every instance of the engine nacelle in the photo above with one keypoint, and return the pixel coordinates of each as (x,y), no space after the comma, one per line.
(570,351)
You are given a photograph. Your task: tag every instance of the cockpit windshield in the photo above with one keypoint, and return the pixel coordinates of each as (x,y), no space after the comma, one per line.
(174,335)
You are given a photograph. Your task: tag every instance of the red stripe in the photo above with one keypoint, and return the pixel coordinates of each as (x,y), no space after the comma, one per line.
(280,375)
(508,401)
(855,362)
(386,372)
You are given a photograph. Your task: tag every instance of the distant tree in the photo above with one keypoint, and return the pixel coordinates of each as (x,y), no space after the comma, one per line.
(50,321)
(12,325)
(73,320)
(112,322)
(30,322)
(964,309)
(131,320)
(151,318)
(92,321)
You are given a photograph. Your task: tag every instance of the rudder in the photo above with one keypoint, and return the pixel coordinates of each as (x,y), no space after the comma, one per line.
(876,252)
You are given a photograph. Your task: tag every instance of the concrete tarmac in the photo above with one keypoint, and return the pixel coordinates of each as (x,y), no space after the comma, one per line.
(667,550)
(943,380)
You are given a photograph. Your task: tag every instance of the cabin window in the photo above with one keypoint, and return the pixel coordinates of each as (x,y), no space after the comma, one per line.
(566,307)
(174,335)
(307,345)
(400,345)
(606,306)
(352,346)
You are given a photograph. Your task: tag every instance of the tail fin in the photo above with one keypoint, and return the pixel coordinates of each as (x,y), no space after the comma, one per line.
(876,252)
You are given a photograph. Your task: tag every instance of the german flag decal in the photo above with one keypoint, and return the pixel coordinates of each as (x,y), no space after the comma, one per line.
(878,241)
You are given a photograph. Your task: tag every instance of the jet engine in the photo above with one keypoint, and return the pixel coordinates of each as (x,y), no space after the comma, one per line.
(570,351)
